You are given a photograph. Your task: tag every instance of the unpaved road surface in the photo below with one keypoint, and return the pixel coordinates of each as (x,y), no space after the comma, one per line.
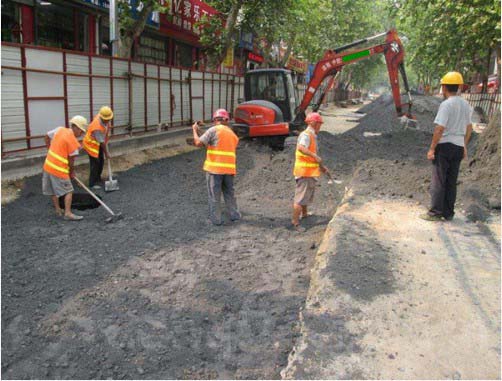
(161,293)
(164,294)
(396,297)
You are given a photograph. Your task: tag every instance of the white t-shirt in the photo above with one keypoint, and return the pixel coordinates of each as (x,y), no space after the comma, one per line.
(454,115)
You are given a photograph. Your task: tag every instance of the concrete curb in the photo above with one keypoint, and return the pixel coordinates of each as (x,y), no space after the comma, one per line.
(19,167)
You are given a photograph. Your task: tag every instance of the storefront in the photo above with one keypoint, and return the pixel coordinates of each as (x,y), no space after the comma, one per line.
(83,25)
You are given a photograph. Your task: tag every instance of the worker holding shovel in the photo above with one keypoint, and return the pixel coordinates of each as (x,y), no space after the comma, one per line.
(220,165)
(95,144)
(308,167)
(58,167)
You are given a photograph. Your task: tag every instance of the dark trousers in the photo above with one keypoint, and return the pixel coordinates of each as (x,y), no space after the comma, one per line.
(96,167)
(444,179)
(216,185)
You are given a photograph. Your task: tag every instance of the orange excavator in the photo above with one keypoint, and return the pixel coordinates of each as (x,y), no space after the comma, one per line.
(271,107)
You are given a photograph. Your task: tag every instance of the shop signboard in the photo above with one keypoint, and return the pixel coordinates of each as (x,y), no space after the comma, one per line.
(296,64)
(229,58)
(255,57)
(185,14)
(246,41)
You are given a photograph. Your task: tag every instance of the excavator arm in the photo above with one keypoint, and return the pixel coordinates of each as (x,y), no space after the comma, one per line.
(334,60)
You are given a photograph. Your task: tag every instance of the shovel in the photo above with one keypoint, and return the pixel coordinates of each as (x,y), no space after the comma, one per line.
(111,184)
(330,177)
(114,217)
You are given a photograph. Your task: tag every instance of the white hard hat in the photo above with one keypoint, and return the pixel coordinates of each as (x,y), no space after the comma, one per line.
(79,121)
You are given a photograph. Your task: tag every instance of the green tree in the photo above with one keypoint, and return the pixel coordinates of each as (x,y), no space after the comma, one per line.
(131,27)
(450,35)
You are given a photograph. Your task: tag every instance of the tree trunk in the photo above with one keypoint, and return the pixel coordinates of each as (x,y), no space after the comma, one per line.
(288,50)
(498,67)
(230,28)
(128,36)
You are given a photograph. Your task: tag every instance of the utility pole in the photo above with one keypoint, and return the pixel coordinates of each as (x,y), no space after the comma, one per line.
(114,27)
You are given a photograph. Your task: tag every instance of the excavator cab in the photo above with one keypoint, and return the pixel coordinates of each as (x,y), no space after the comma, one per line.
(272,85)
(270,103)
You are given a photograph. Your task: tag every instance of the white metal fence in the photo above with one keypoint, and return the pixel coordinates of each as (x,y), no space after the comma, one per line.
(42,88)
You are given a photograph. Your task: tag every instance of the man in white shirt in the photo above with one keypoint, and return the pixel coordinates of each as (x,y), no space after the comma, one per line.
(448,147)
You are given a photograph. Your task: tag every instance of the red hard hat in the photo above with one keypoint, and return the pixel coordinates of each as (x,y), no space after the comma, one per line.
(314,117)
(221,113)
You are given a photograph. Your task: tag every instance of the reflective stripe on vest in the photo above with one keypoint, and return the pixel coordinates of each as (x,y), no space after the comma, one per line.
(56,162)
(90,144)
(306,166)
(221,159)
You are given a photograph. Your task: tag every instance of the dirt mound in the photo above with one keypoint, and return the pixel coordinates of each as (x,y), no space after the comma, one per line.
(483,170)
(398,176)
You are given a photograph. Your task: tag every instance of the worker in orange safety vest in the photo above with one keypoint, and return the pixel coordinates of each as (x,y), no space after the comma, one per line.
(220,165)
(58,166)
(95,143)
(307,169)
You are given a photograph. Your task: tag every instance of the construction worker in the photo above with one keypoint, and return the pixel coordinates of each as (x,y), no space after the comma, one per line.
(308,167)
(58,167)
(95,143)
(448,147)
(220,165)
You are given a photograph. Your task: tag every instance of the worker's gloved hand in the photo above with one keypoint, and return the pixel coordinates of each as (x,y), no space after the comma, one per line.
(72,174)
(324,169)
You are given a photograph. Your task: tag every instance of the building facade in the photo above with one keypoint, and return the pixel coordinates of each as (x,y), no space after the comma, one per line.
(170,38)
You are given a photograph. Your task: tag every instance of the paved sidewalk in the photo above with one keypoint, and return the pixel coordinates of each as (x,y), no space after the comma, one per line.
(396,297)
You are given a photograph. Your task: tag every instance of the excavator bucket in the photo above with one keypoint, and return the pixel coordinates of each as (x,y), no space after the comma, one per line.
(408,121)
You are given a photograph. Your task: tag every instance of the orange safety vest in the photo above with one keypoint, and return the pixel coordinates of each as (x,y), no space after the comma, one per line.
(62,145)
(306,166)
(90,144)
(221,159)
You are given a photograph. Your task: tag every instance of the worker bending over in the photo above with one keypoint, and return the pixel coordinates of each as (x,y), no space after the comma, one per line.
(307,168)
(58,167)
(220,165)
(95,143)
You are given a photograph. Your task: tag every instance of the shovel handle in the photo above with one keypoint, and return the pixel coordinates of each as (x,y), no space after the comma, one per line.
(110,175)
(94,196)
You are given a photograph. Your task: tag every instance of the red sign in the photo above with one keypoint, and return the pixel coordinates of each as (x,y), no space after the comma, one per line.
(296,64)
(255,57)
(182,17)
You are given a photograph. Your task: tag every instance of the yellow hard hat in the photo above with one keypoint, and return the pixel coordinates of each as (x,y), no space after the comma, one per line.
(452,78)
(79,121)
(105,113)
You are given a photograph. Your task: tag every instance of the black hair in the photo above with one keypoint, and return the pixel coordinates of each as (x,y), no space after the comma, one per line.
(452,88)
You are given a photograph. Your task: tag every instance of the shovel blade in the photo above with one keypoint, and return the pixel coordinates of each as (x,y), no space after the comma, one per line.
(111,185)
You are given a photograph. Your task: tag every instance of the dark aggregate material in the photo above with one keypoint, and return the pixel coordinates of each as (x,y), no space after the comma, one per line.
(163,294)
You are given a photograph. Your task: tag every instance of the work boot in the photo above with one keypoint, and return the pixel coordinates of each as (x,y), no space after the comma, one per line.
(431,217)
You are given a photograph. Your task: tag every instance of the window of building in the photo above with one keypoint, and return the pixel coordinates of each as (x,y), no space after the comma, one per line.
(82,31)
(183,55)
(11,30)
(54,25)
(152,50)
(105,47)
